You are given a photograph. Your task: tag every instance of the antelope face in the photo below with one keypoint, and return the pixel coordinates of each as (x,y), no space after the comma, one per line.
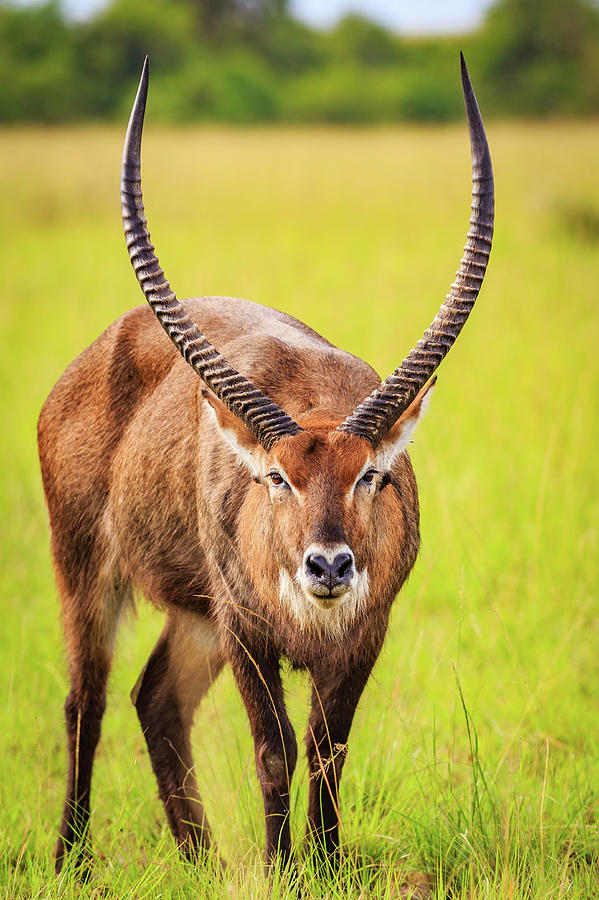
(332,504)
(322,485)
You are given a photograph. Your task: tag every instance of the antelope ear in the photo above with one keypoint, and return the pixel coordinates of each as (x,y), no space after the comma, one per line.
(248,451)
(397,438)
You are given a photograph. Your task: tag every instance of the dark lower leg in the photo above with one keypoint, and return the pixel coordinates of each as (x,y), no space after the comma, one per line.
(259,681)
(83,721)
(275,764)
(334,701)
(166,722)
(325,767)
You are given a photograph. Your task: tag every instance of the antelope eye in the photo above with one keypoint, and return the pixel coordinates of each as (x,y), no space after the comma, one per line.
(276,479)
(368,477)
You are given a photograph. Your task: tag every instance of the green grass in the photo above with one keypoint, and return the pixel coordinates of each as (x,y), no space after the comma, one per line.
(473,762)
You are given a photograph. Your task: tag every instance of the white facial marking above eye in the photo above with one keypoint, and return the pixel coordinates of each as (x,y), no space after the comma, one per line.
(369,464)
(277,480)
(277,488)
(255,459)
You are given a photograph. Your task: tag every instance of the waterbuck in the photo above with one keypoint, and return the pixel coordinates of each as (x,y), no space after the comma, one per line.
(260,493)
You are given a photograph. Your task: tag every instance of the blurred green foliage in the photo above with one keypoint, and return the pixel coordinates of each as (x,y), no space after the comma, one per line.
(250,61)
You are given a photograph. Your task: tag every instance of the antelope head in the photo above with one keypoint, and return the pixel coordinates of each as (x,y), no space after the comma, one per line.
(326,484)
(331,496)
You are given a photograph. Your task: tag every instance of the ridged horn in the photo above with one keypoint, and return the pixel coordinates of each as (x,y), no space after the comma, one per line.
(378,413)
(263,418)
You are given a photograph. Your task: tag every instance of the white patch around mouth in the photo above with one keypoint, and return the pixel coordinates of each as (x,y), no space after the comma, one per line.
(324,615)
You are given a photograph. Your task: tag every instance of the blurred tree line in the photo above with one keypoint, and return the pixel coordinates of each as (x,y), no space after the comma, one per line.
(250,61)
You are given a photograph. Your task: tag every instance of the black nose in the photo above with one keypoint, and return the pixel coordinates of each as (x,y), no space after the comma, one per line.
(333,574)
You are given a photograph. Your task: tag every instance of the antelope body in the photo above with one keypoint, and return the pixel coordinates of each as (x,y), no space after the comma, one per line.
(272,516)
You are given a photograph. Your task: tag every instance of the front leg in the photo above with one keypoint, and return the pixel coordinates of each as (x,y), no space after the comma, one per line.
(334,701)
(257,672)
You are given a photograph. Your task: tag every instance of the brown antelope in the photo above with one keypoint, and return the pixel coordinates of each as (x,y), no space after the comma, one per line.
(272,514)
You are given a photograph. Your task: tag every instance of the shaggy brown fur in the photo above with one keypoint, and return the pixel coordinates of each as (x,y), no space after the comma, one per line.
(151,485)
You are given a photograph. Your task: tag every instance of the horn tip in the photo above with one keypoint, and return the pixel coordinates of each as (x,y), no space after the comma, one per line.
(145,72)
(466,82)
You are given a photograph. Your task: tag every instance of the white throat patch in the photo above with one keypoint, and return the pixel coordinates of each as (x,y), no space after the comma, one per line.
(312,617)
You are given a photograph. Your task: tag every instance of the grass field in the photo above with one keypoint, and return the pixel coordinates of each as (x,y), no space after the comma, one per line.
(474,757)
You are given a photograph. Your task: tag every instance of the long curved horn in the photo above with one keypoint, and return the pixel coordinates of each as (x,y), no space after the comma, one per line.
(376,415)
(266,421)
